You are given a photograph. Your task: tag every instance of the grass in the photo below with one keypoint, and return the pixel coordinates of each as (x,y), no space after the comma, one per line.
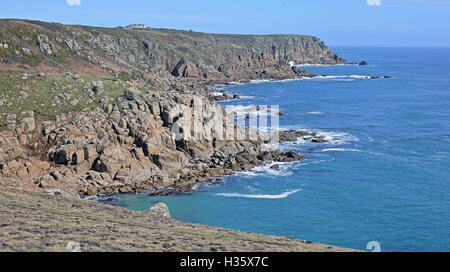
(42,92)
(37,222)
(123,76)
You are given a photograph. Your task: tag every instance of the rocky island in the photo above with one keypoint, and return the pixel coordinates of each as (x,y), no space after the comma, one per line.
(89,110)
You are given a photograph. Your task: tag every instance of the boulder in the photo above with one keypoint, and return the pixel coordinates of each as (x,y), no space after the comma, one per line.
(107,164)
(98,87)
(22,172)
(91,190)
(23,95)
(132,93)
(287,156)
(13,165)
(265,156)
(82,167)
(45,181)
(319,140)
(28,52)
(28,124)
(44,45)
(64,154)
(167,118)
(72,44)
(160,209)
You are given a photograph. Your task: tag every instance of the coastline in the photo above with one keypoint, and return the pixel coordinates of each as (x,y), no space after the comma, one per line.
(110,131)
(292,245)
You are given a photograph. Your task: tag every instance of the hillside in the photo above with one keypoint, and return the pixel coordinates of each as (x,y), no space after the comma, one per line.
(42,47)
(98,227)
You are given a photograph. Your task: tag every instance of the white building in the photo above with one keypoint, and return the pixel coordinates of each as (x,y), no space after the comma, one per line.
(136,26)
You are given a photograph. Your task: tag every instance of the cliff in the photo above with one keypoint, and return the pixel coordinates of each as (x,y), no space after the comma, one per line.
(185,54)
(107,126)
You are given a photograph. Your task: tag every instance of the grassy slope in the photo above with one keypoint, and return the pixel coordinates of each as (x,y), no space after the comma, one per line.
(41,93)
(38,222)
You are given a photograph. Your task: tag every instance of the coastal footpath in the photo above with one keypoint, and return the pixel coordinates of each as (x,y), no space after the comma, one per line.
(93,110)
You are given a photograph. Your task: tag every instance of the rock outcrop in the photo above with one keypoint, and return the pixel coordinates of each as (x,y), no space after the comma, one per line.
(175,53)
(150,122)
(132,145)
(160,209)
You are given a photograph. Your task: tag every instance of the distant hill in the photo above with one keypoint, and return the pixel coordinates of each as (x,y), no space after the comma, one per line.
(36,45)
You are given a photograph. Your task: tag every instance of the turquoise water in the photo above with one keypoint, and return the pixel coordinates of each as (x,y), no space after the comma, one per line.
(385,176)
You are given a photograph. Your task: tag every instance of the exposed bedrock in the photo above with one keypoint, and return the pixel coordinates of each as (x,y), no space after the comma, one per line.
(131,146)
(133,141)
(167,53)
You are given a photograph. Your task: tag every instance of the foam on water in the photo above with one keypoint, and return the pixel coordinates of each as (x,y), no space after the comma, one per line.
(260,196)
(315,113)
(250,109)
(285,169)
(340,149)
(321,65)
(320,77)
(333,137)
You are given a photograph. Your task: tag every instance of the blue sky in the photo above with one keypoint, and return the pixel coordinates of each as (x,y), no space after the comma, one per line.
(337,22)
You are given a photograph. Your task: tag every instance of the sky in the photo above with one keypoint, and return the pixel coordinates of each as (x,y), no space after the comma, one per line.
(411,23)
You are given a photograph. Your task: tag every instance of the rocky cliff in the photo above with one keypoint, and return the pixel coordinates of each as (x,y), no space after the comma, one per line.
(181,54)
(106,124)
(126,143)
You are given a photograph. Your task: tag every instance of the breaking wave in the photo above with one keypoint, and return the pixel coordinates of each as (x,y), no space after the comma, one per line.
(251,109)
(284,169)
(260,196)
(340,149)
(321,77)
(333,137)
(315,113)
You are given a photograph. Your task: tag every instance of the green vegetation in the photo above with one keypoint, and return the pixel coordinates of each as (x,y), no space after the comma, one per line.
(123,76)
(50,95)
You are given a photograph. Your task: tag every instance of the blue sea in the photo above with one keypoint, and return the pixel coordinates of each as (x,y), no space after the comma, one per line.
(384,176)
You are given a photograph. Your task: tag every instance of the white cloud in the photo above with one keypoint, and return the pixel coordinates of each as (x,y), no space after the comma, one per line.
(73,2)
(374,2)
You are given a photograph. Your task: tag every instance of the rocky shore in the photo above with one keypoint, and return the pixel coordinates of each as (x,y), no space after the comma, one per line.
(88,111)
(111,130)
(129,147)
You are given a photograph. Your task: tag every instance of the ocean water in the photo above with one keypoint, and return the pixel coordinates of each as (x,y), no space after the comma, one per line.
(384,177)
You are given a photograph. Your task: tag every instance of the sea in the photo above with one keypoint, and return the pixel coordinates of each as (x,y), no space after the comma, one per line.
(382,179)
